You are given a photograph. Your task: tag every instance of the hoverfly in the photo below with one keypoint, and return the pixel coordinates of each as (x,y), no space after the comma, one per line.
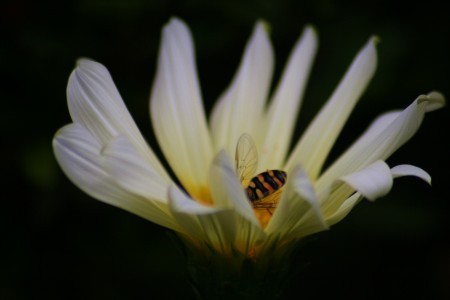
(263,189)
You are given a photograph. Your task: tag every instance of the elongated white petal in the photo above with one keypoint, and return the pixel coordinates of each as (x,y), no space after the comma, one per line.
(131,172)
(285,104)
(315,144)
(298,213)
(409,170)
(177,112)
(339,209)
(78,154)
(384,137)
(219,227)
(240,109)
(372,182)
(226,189)
(95,103)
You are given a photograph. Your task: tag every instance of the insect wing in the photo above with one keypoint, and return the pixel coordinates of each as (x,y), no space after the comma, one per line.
(246,157)
(271,201)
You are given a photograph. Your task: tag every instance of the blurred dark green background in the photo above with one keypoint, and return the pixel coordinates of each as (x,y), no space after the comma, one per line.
(58,243)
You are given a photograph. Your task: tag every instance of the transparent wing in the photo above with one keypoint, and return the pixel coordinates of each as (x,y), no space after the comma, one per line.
(246,158)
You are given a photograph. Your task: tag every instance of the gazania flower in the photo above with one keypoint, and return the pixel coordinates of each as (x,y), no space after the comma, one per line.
(207,204)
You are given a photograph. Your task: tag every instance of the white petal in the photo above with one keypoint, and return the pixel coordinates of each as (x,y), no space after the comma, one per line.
(220,228)
(344,209)
(437,101)
(286,101)
(181,203)
(336,208)
(177,110)
(298,213)
(371,182)
(240,109)
(382,139)
(132,172)
(315,144)
(95,103)
(78,154)
(226,189)
(374,181)
(409,170)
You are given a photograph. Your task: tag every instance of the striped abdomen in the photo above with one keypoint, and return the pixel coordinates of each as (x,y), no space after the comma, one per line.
(265,184)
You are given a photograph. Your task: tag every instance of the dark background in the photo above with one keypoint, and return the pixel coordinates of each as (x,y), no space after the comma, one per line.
(58,243)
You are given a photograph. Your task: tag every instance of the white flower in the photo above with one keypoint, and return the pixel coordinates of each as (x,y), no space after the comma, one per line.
(105,155)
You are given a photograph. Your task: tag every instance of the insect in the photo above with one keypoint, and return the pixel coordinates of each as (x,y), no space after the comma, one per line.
(262,189)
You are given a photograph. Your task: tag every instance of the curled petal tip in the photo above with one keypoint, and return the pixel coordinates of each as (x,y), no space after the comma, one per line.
(409,170)
(437,96)
(435,100)
(373,181)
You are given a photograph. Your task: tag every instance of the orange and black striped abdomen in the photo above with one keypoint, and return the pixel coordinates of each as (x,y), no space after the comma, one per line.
(265,184)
